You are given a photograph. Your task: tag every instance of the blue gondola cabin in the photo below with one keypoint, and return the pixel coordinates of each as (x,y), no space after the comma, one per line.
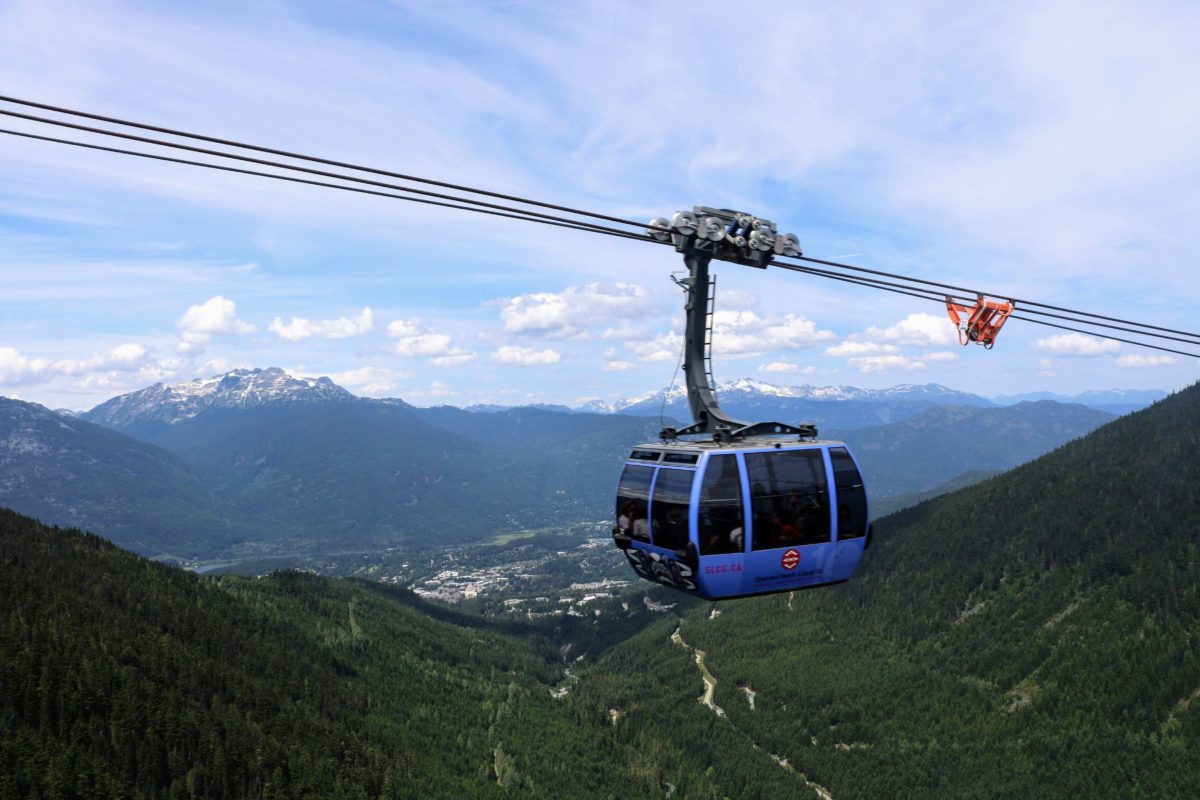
(735,520)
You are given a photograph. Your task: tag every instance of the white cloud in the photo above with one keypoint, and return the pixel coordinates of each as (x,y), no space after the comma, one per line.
(369,381)
(665,347)
(614,364)
(1076,344)
(12,363)
(16,367)
(415,340)
(404,327)
(425,344)
(854,348)
(745,333)
(525,356)
(1135,361)
(915,330)
(871,364)
(778,366)
(215,316)
(574,310)
(455,358)
(300,328)
(879,349)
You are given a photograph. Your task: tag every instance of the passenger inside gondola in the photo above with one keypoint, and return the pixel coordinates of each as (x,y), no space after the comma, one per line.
(720,518)
(789,498)
(633,497)
(669,511)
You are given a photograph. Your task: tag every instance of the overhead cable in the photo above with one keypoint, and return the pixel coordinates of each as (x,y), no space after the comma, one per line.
(971,299)
(293,167)
(890,287)
(1015,300)
(319,160)
(561,223)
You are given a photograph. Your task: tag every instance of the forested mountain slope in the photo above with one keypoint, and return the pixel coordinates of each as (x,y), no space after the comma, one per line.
(71,472)
(126,678)
(1034,635)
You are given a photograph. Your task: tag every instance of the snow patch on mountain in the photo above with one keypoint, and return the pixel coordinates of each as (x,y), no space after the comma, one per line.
(241,388)
(746,389)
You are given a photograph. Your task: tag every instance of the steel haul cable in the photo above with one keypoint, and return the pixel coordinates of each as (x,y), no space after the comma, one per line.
(960,298)
(317,160)
(292,167)
(888,287)
(1015,300)
(509,213)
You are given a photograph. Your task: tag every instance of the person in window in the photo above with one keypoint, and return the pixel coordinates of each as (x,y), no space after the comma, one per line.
(737,540)
(784,530)
(799,513)
(625,518)
(674,533)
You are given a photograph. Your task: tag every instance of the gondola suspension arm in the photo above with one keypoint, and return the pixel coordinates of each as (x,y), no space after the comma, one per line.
(700,236)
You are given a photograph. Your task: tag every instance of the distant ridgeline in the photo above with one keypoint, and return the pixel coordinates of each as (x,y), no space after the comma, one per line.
(1034,635)
(262,459)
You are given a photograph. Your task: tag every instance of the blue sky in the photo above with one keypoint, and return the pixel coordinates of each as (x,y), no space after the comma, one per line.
(1046,151)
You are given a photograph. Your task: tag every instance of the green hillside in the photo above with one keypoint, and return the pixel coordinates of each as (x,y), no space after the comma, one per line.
(1035,635)
(125,678)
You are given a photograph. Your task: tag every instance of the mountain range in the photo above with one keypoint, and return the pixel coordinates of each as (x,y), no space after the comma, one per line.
(257,462)
(943,443)
(845,407)
(838,407)
(1032,635)
(1114,401)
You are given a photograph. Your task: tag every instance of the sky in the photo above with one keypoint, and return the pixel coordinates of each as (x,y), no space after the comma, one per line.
(1046,151)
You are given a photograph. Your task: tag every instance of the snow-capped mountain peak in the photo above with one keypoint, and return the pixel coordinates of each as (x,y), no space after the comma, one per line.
(241,388)
(753,389)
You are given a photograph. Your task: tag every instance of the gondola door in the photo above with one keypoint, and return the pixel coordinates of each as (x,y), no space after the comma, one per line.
(720,525)
(790,519)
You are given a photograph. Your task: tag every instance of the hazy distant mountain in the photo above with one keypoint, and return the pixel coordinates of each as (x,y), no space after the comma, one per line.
(492,408)
(310,466)
(300,464)
(828,406)
(1114,401)
(939,445)
(71,472)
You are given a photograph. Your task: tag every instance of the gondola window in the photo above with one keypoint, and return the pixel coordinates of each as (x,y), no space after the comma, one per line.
(789,498)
